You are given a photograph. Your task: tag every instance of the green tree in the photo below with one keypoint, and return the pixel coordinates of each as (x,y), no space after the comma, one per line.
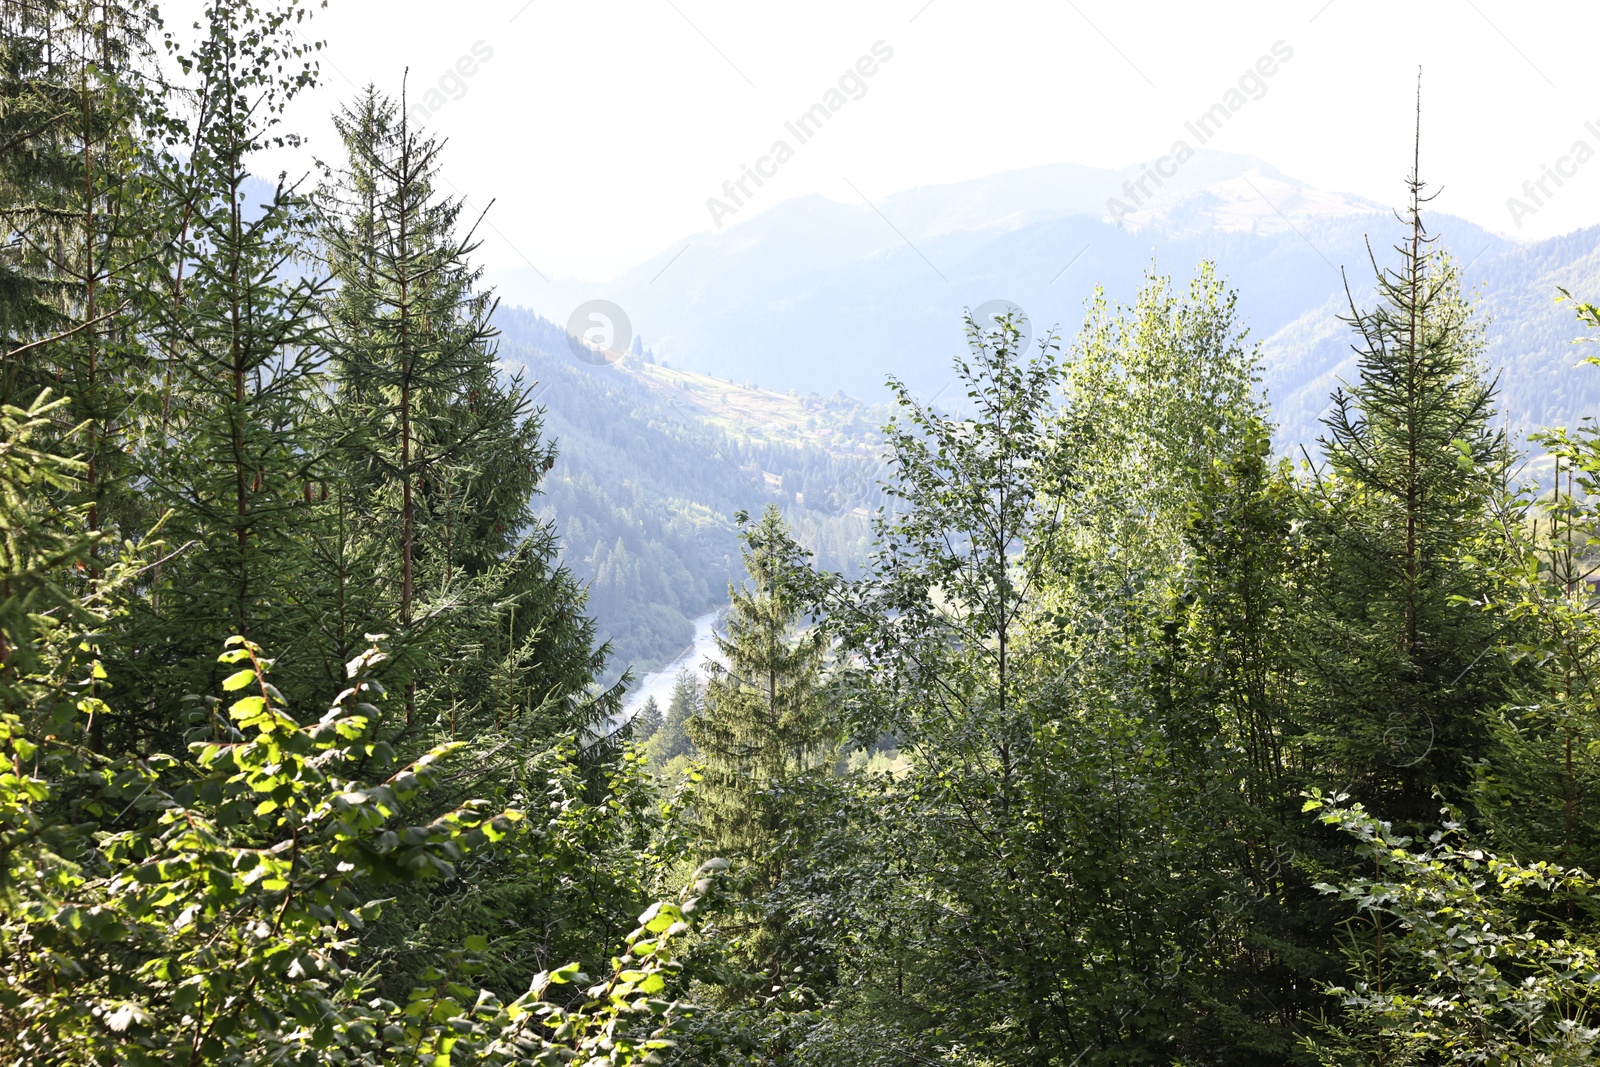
(426,530)
(935,651)
(227,446)
(437,452)
(762,730)
(647,721)
(672,741)
(1534,790)
(1475,942)
(1402,661)
(74,181)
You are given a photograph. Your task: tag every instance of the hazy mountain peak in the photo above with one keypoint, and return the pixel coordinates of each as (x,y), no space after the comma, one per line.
(1258,201)
(819,295)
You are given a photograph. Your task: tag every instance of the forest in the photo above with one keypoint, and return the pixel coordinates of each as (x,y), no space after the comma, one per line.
(1131,742)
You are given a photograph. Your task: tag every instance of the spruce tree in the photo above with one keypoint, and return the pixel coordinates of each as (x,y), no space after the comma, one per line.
(424,521)
(762,731)
(226,446)
(647,721)
(73,178)
(437,453)
(409,331)
(1402,659)
(672,740)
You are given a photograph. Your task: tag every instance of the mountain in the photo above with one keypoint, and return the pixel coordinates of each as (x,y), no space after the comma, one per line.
(654,464)
(815,295)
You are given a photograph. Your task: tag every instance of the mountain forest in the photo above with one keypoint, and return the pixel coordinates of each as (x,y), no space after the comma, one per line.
(1069,722)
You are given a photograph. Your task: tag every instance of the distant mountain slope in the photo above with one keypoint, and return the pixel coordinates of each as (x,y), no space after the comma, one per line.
(653,465)
(815,295)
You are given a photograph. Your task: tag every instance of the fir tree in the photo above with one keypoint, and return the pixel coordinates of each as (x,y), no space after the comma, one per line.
(427,530)
(411,343)
(227,444)
(672,740)
(73,172)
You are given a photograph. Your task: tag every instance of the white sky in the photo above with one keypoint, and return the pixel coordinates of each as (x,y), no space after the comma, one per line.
(600,127)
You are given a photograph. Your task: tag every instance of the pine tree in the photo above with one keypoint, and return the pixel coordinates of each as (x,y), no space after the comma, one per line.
(427,530)
(672,740)
(226,446)
(73,176)
(411,348)
(438,455)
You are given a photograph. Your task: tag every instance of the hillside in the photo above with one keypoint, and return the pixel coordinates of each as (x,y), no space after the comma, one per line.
(655,462)
(741,398)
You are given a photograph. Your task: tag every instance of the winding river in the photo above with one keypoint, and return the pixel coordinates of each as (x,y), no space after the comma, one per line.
(658,684)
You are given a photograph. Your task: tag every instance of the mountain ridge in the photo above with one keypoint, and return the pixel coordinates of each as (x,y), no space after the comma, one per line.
(817,296)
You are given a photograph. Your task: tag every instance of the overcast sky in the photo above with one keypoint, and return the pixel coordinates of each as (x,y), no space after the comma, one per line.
(601,127)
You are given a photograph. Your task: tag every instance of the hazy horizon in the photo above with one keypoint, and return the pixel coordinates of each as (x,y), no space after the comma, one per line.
(601,131)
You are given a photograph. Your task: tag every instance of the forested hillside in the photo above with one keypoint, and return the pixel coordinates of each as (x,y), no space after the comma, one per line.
(652,466)
(1061,724)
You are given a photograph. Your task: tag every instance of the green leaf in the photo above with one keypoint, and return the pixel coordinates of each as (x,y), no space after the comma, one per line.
(246,707)
(239,679)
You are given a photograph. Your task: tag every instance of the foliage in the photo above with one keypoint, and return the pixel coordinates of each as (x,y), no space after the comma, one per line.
(1481,964)
(672,741)
(1024,789)
(763,733)
(223,925)
(1401,514)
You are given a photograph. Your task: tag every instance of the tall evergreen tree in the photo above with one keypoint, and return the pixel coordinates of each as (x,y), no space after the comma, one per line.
(647,720)
(426,530)
(441,454)
(226,444)
(1403,662)
(672,740)
(73,183)
(437,456)
(763,728)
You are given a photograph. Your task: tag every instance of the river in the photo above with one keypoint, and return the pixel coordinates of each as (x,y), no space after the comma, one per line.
(658,684)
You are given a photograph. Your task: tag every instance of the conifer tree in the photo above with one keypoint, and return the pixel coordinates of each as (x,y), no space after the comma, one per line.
(762,730)
(647,721)
(426,530)
(672,740)
(437,455)
(227,444)
(1404,666)
(412,354)
(762,722)
(72,175)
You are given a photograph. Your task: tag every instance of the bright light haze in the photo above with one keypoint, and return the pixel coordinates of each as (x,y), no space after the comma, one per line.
(601,127)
